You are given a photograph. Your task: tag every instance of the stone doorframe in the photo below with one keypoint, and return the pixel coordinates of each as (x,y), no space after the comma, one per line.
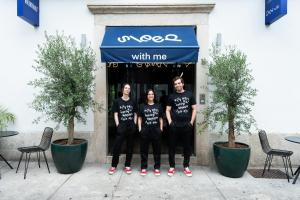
(107,13)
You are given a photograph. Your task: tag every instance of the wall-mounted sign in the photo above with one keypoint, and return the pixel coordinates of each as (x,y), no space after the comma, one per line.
(29,10)
(274,9)
(202,99)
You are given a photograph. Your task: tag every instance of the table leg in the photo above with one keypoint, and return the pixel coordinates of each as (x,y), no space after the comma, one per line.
(6,161)
(297,172)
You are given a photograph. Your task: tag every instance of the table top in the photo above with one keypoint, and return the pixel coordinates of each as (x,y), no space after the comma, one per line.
(295,139)
(8,133)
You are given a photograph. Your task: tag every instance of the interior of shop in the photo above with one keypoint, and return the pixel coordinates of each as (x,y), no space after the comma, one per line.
(142,76)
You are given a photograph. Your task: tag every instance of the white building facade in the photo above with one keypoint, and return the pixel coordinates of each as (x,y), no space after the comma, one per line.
(272,53)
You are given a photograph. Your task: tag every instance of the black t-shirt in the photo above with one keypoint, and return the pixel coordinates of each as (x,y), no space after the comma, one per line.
(181,103)
(150,114)
(125,110)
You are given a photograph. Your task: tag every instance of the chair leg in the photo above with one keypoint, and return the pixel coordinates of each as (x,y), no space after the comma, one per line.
(20,161)
(26,165)
(290,163)
(46,161)
(286,167)
(38,158)
(266,162)
(270,162)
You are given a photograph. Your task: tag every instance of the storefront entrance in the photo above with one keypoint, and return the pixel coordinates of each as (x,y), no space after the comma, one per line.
(142,76)
(157,33)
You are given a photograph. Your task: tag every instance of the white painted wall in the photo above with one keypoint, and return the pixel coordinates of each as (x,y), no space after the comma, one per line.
(272,51)
(19,41)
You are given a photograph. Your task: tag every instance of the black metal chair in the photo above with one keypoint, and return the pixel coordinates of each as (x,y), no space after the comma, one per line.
(275,152)
(42,147)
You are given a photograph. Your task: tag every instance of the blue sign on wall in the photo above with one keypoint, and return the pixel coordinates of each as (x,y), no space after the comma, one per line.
(29,10)
(274,10)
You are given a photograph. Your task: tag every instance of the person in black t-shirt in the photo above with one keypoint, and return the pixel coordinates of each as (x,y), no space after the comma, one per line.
(181,113)
(150,124)
(125,117)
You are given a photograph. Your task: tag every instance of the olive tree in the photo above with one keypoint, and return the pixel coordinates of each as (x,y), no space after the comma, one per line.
(66,87)
(229,109)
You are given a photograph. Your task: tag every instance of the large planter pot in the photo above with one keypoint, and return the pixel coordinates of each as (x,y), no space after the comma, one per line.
(69,158)
(231,162)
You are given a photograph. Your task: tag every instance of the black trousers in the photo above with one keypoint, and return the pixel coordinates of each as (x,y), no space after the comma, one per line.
(125,131)
(182,133)
(150,135)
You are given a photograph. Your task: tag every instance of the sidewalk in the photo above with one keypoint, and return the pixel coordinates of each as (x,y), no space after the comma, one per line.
(93,182)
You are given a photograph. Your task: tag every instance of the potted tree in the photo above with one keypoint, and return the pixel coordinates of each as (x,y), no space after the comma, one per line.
(5,118)
(229,109)
(66,90)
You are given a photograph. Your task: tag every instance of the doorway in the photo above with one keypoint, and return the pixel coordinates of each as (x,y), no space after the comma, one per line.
(142,76)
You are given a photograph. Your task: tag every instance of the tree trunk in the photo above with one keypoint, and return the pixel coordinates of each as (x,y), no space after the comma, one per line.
(231,137)
(71,131)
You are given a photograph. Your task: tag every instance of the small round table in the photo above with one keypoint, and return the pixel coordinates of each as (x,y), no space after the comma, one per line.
(295,139)
(7,134)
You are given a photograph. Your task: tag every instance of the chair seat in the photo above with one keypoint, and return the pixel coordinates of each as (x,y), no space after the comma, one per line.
(41,148)
(280,152)
(284,154)
(30,149)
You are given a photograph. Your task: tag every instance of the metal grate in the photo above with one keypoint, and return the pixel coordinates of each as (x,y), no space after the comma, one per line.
(272,174)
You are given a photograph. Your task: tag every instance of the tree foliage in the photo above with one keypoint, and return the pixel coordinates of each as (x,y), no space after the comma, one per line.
(66,86)
(231,99)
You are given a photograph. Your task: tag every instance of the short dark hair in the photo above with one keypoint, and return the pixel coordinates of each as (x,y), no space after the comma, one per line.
(177,78)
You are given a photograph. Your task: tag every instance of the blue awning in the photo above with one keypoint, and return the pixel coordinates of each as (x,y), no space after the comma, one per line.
(162,44)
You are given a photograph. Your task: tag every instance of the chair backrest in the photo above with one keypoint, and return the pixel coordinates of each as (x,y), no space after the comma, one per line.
(46,138)
(264,141)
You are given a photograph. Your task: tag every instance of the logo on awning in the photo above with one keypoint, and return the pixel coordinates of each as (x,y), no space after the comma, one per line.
(147,38)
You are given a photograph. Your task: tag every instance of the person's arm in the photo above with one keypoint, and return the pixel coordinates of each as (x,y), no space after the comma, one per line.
(161,123)
(116,119)
(168,114)
(135,118)
(194,112)
(115,111)
(140,123)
